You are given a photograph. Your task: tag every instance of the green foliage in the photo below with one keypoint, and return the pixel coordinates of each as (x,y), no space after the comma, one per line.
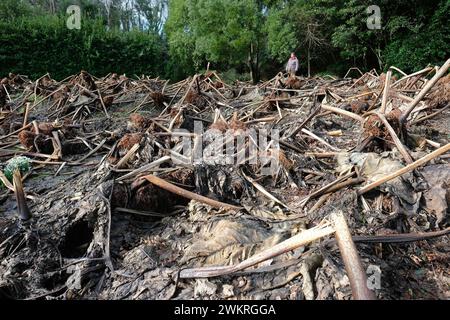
(225,32)
(13,9)
(37,45)
(231,76)
(238,35)
(181,41)
(425,43)
(297,26)
(20,162)
(282,36)
(352,35)
(414,33)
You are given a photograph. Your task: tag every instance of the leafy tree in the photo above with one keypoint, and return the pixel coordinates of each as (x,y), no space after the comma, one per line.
(227,32)
(295,26)
(253,36)
(154,12)
(416,41)
(181,41)
(13,9)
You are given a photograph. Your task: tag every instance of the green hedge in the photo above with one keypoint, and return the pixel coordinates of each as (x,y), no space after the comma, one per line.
(35,46)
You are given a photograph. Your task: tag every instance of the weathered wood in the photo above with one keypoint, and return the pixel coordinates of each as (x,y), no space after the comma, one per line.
(386,92)
(343,112)
(353,265)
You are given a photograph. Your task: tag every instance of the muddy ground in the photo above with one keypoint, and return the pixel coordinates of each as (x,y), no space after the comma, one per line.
(93,235)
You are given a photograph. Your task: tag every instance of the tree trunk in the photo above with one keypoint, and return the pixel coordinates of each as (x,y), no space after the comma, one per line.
(253,65)
(309,62)
(253,73)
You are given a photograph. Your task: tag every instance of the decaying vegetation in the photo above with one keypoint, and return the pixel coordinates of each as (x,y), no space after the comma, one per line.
(97,206)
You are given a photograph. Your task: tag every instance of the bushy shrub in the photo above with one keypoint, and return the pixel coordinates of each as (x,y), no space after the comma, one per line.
(37,45)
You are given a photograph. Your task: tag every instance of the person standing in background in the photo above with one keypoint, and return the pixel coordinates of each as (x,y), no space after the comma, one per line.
(292,65)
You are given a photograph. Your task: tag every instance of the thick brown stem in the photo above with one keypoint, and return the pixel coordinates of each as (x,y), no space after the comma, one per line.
(24,212)
(353,265)
(187,194)
(343,112)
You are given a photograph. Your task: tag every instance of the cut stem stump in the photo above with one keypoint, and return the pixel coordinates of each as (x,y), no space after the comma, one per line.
(24,211)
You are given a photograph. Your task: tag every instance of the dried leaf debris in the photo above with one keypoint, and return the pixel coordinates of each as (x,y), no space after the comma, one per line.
(117,210)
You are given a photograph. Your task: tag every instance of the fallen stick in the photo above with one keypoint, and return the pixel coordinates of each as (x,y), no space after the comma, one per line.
(343,112)
(412,75)
(7,93)
(325,189)
(385,92)
(289,146)
(433,143)
(5,181)
(375,101)
(25,116)
(286,90)
(187,194)
(144,168)
(261,120)
(359,95)
(9,186)
(36,103)
(292,243)
(171,101)
(402,96)
(312,135)
(396,238)
(353,265)
(102,103)
(300,127)
(402,237)
(319,202)
(140,104)
(91,152)
(398,70)
(353,68)
(28,154)
(357,81)
(344,184)
(127,156)
(15,132)
(214,88)
(430,115)
(261,189)
(396,140)
(57,146)
(442,70)
(410,167)
(188,90)
(321,154)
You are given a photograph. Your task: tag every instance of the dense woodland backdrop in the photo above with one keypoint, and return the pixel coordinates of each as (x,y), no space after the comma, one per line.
(243,39)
